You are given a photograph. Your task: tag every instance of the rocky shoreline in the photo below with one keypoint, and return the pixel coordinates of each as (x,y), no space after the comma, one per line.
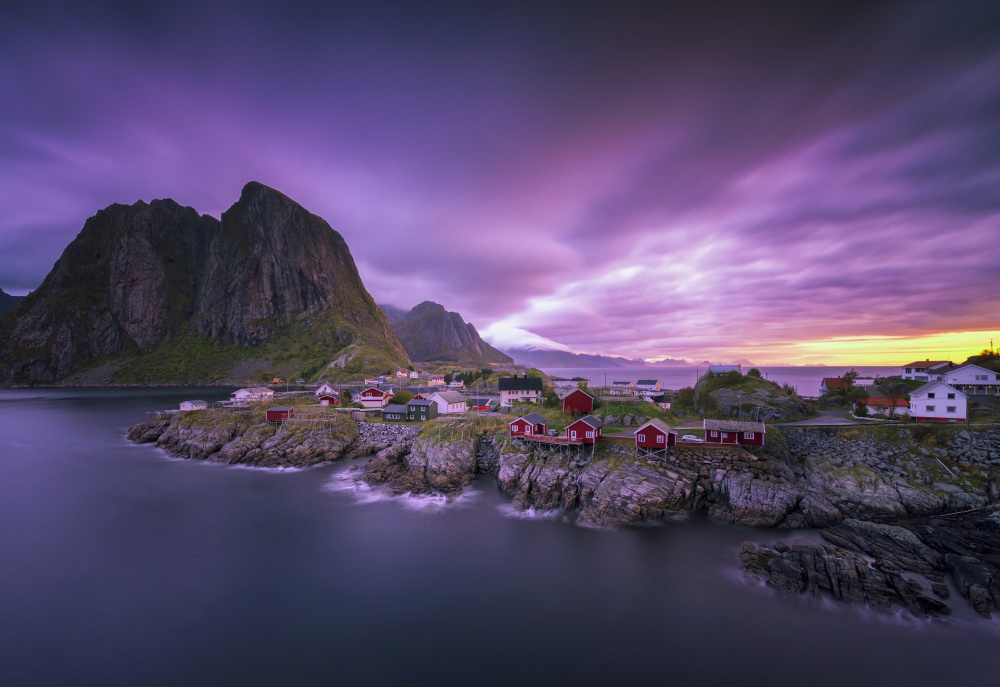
(900,510)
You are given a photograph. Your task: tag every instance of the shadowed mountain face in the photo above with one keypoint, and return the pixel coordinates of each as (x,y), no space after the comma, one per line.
(429,333)
(143,278)
(7,301)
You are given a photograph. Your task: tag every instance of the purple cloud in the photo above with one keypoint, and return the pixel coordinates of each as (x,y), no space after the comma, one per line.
(645,182)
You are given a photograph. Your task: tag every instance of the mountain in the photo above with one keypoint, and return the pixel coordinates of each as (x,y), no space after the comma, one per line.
(7,301)
(541,358)
(429,333)
(158,293)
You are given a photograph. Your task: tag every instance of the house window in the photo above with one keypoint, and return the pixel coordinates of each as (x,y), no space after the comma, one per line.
(572,434)
(952,409)
(590,435)
(659,438)
(930,409)
(930,395)
(642,437)
(748,435)
(951,395)
(714,433)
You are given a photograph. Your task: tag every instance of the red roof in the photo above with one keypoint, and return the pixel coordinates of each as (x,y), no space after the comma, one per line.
(835,383)
(885,401)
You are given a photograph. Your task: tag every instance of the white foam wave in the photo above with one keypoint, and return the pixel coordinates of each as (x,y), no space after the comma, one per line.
(511,511)
(347,481)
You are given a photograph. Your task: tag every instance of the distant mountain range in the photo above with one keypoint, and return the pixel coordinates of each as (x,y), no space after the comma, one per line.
(155,292)
(542,358)
(7,301)
(429,333)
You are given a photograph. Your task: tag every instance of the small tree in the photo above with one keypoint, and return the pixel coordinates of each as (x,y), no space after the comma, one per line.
(754,372)
(402,397)
(550,399)
(850,376)
(346,398)
(860,408)
(448,377)
(410,368)
(879,406)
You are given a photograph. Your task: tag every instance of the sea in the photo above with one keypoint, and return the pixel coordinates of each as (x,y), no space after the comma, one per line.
(805,380)
(120,565)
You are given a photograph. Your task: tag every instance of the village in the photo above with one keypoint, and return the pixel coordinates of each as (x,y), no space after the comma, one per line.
(639,414)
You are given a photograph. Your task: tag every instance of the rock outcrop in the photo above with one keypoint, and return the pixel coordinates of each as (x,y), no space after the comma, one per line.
(426,466)
(243,437)
(429,333)
(139,278)
(840,574)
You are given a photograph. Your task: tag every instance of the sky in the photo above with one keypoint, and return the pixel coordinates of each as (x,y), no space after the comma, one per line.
(783,182)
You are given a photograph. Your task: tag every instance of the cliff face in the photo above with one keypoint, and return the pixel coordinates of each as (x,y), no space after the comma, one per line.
(429,333)
(140,277)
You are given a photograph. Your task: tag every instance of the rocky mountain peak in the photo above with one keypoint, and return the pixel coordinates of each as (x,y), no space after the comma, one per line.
(429,333)
(140,276)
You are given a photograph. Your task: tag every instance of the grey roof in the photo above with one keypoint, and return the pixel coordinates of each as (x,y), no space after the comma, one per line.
(421,402)
(735,426)
(590,420)
(201,402)
(279,408)
(451,396)
(394,408)
(532,418)
(659,424)
(567,392)
(648,382)
(256,390)
(520,384)
(919,391)
(480,401)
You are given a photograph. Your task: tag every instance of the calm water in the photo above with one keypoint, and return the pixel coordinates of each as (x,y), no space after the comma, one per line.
(805,379)
(119,566)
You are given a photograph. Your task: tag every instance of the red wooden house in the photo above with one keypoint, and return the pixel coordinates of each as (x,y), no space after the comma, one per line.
(586,429)
(577,401)
(279,414)
(734,432)
(329,400)
(529,425)
(655,435)
(373,397)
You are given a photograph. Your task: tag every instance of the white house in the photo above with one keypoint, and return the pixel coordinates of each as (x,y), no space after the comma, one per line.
(414,375)
(938,402)
(456,384)
(193,405)
(723,369)
(648,384)
(253,394)
(402,373)
(889,406)
(519,390)
(449,402)
(922,371)
(325,390)
(973,380)
(623,385)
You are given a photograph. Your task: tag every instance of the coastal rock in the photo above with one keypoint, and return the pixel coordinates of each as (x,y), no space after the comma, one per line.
(243,437)
(838,573)
(427,466)
(897,544)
